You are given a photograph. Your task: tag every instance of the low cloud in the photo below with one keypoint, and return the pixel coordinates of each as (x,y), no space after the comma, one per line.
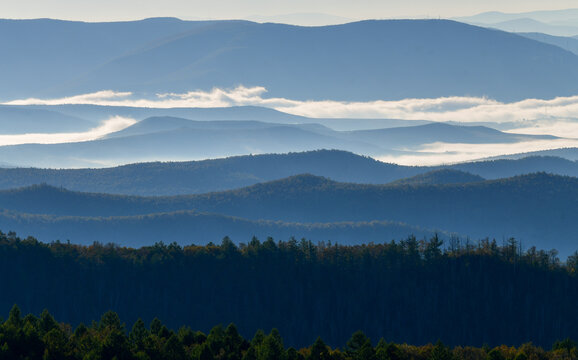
(444,153)
(460,109)
(100,97)
(557,117)
(113,124)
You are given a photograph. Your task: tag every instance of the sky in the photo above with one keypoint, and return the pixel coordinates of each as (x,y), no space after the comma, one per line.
(114,10)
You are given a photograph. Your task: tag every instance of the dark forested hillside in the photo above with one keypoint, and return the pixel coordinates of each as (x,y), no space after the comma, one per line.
(173,178)
(539,209)
(440,177)
(502,168)
(408,291)
(193,177)
(184,227)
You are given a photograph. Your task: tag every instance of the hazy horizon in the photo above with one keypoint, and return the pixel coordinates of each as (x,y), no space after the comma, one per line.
(305,12)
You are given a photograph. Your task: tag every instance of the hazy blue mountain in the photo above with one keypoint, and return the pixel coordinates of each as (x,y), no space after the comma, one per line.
(417,62)
(538,209)
(184,143)
(553,22)
(566,153)
(387,138)
(303,19)
(525,25)
(98,113)
(23,120)
(193,177)
(567,43)
(165,123)
(438,132)
(190,227)
(174,139)
(390,59)
(549,16)
(440,177)
(40,56)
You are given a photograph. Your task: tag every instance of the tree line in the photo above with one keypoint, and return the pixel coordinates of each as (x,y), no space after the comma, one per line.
(410,291)
(42,337)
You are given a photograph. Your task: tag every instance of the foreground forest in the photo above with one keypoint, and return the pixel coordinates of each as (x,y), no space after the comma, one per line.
(32,337)
(411,291)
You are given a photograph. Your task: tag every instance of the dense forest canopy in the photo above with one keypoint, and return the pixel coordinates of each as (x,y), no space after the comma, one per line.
(32,337)
(414,291)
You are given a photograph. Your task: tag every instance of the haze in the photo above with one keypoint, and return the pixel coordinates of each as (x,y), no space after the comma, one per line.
(317,12)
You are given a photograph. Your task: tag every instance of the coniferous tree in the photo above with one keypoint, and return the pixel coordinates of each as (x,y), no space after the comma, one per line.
(319,351)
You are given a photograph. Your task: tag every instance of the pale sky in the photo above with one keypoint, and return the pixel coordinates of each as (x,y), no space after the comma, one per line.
(113,10)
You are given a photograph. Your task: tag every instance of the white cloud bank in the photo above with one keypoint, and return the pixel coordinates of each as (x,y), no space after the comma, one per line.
(443,153)
(111,125)
(461,109)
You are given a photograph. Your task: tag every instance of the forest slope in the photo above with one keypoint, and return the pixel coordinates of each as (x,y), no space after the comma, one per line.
(539,209)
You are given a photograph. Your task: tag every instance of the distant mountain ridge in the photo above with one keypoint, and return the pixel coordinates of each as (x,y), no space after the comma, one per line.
(22,120)
(386,59)
(567,43)
(553,22)
(170,139)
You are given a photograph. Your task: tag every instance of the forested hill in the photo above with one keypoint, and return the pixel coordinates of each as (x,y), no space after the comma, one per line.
(186,227)
(193,177)
(173,178)
(539,209)
(408,291)
(440,177)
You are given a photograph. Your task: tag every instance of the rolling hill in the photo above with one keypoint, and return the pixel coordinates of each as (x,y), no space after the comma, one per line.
(190,227)
(98,113)
(565,153)
(438,132)
(440,177)
(193,177)
(538,209)
(388,59)
(177,139)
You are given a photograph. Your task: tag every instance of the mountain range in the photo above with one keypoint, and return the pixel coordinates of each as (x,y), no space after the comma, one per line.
(368,60)
(553,22)
(174,139)
(22,119)
(194,177)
